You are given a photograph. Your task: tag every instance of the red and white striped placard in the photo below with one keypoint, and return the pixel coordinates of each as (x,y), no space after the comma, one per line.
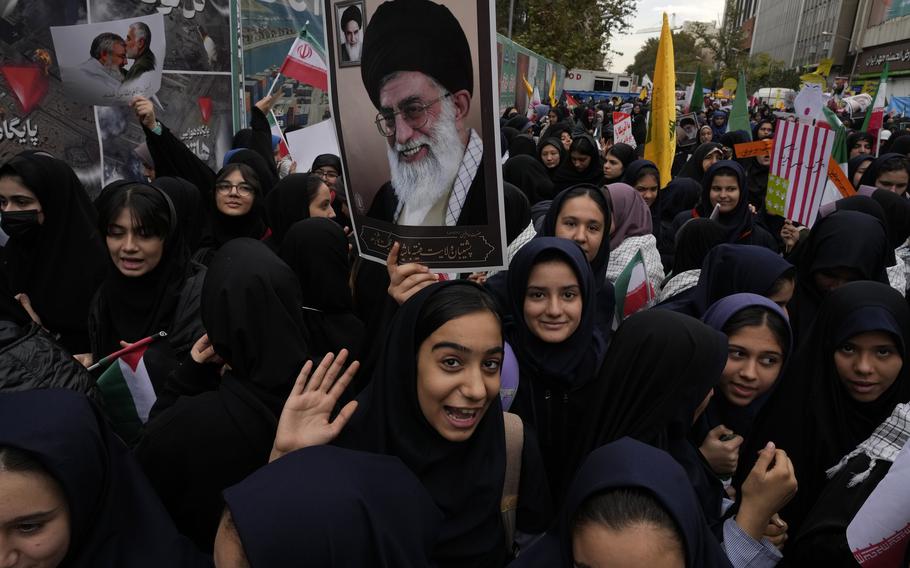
(801,154)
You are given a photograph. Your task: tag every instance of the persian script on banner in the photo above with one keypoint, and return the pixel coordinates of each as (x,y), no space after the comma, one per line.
(799,170)
(622,129)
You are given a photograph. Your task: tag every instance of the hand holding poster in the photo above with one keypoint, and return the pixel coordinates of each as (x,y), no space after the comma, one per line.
(418,133)
(109,63)
(799,170)
(622,129)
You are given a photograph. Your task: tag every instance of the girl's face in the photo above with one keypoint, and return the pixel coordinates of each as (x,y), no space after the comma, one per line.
(595,545)
(868,364)
(894,181)
(765,130)
(860,171)
(566,139)
(549,156)
(705,135)
(647,187)
(14,196)
(34,520)
(551,116)
(321,205)
(580,161)
(724,191)
(233,195)
(553,303)
(582,221)
(613,167)
(754,361)
(709,160)
(862,147)
(133,251)
(458,368)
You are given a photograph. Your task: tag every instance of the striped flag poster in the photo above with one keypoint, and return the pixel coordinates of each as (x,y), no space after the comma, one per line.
(634,291)
(800,156)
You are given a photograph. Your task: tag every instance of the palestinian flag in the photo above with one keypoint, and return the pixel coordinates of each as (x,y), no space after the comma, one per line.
(633,290)
(128,394)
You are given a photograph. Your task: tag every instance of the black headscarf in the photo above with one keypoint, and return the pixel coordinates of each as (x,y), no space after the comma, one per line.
(854,138)
(869,206)
(845,239)
(332,507)
(854,163)
(695,239)
(61,267)
(188,203)
(115,517)
(654,398)
(575,360)
(253,159)
(317,251)
(739,222)
(625,154)
(519,122)
(900,145)
(681,194)
(556,143)
(330,160)
(465,479)
(630,177)
(812,416)
(529,175)
(522,145)
(222,228)
(731,269)
(871,174)
(568,176)
(510,134)
(897,215)
(517,211)
(131,308)
(602,258)
(693,168)
(286,204)
(628,463)
(731,139)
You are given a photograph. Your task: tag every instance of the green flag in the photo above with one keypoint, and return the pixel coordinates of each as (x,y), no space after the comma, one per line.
(697,104)
(739,116)
(839,153)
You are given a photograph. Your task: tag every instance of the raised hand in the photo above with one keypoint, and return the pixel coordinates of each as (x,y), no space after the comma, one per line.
(770,485)
(405,280)
(305,418)
(145,111)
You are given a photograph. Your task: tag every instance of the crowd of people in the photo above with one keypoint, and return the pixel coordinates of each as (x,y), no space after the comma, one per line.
(301,410)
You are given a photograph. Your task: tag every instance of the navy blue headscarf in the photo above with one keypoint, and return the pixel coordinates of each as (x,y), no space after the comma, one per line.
(739,222)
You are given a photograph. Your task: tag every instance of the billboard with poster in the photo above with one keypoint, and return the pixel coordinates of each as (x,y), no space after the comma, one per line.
(418,131)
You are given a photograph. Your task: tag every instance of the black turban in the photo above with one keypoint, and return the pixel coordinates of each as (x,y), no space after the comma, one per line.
(415,35)
(351,14)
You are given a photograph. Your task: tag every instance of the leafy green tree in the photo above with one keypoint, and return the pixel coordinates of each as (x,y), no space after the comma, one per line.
(687,56)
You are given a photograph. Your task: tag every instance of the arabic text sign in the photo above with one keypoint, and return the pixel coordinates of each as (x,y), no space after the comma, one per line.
(801,155)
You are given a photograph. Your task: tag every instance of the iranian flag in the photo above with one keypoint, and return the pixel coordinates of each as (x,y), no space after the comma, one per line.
(633,290)
(306,63)
(128,393)
(875,117)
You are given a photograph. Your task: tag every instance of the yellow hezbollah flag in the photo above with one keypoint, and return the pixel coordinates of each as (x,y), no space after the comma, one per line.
(528,88)
(644,94)
(661,142)
(552,92)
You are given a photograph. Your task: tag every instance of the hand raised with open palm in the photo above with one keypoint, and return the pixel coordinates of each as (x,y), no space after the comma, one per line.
(306,417)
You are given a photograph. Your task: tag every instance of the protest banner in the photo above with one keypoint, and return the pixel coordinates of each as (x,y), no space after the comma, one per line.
(622,129)
(421,164)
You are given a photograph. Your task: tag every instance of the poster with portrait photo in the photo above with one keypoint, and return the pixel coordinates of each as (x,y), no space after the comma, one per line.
(418,132)
(350,21)
(109,63)
(687,130)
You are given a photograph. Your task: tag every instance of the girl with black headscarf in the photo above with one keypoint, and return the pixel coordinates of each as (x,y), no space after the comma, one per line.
(434,403)
(622,485)
(530,176)
(557,361)
(857,166)
(551,154)
(236,210)
(295,198)
(845,380)
(618,158)
(353,509)
(655,400)
(694,241)
(317,251)
(62,445)
(703,158)
(251,308)
(681,194)
(731,269)
(583,166)
(187,200)
(724,184)
(759,339)
(843,247)
(890,172)
(54,254)
(859,143)
(151,284)
(266,176)
(522,145)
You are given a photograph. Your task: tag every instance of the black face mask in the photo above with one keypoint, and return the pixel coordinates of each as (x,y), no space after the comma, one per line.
(22,226)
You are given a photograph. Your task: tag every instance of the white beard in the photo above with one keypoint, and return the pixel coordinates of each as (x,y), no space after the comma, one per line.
(353,52)
(422,184)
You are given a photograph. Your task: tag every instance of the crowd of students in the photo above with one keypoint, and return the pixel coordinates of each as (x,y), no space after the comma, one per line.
(509,417)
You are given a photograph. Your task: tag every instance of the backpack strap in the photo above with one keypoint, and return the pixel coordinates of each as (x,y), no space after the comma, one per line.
(514,430)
